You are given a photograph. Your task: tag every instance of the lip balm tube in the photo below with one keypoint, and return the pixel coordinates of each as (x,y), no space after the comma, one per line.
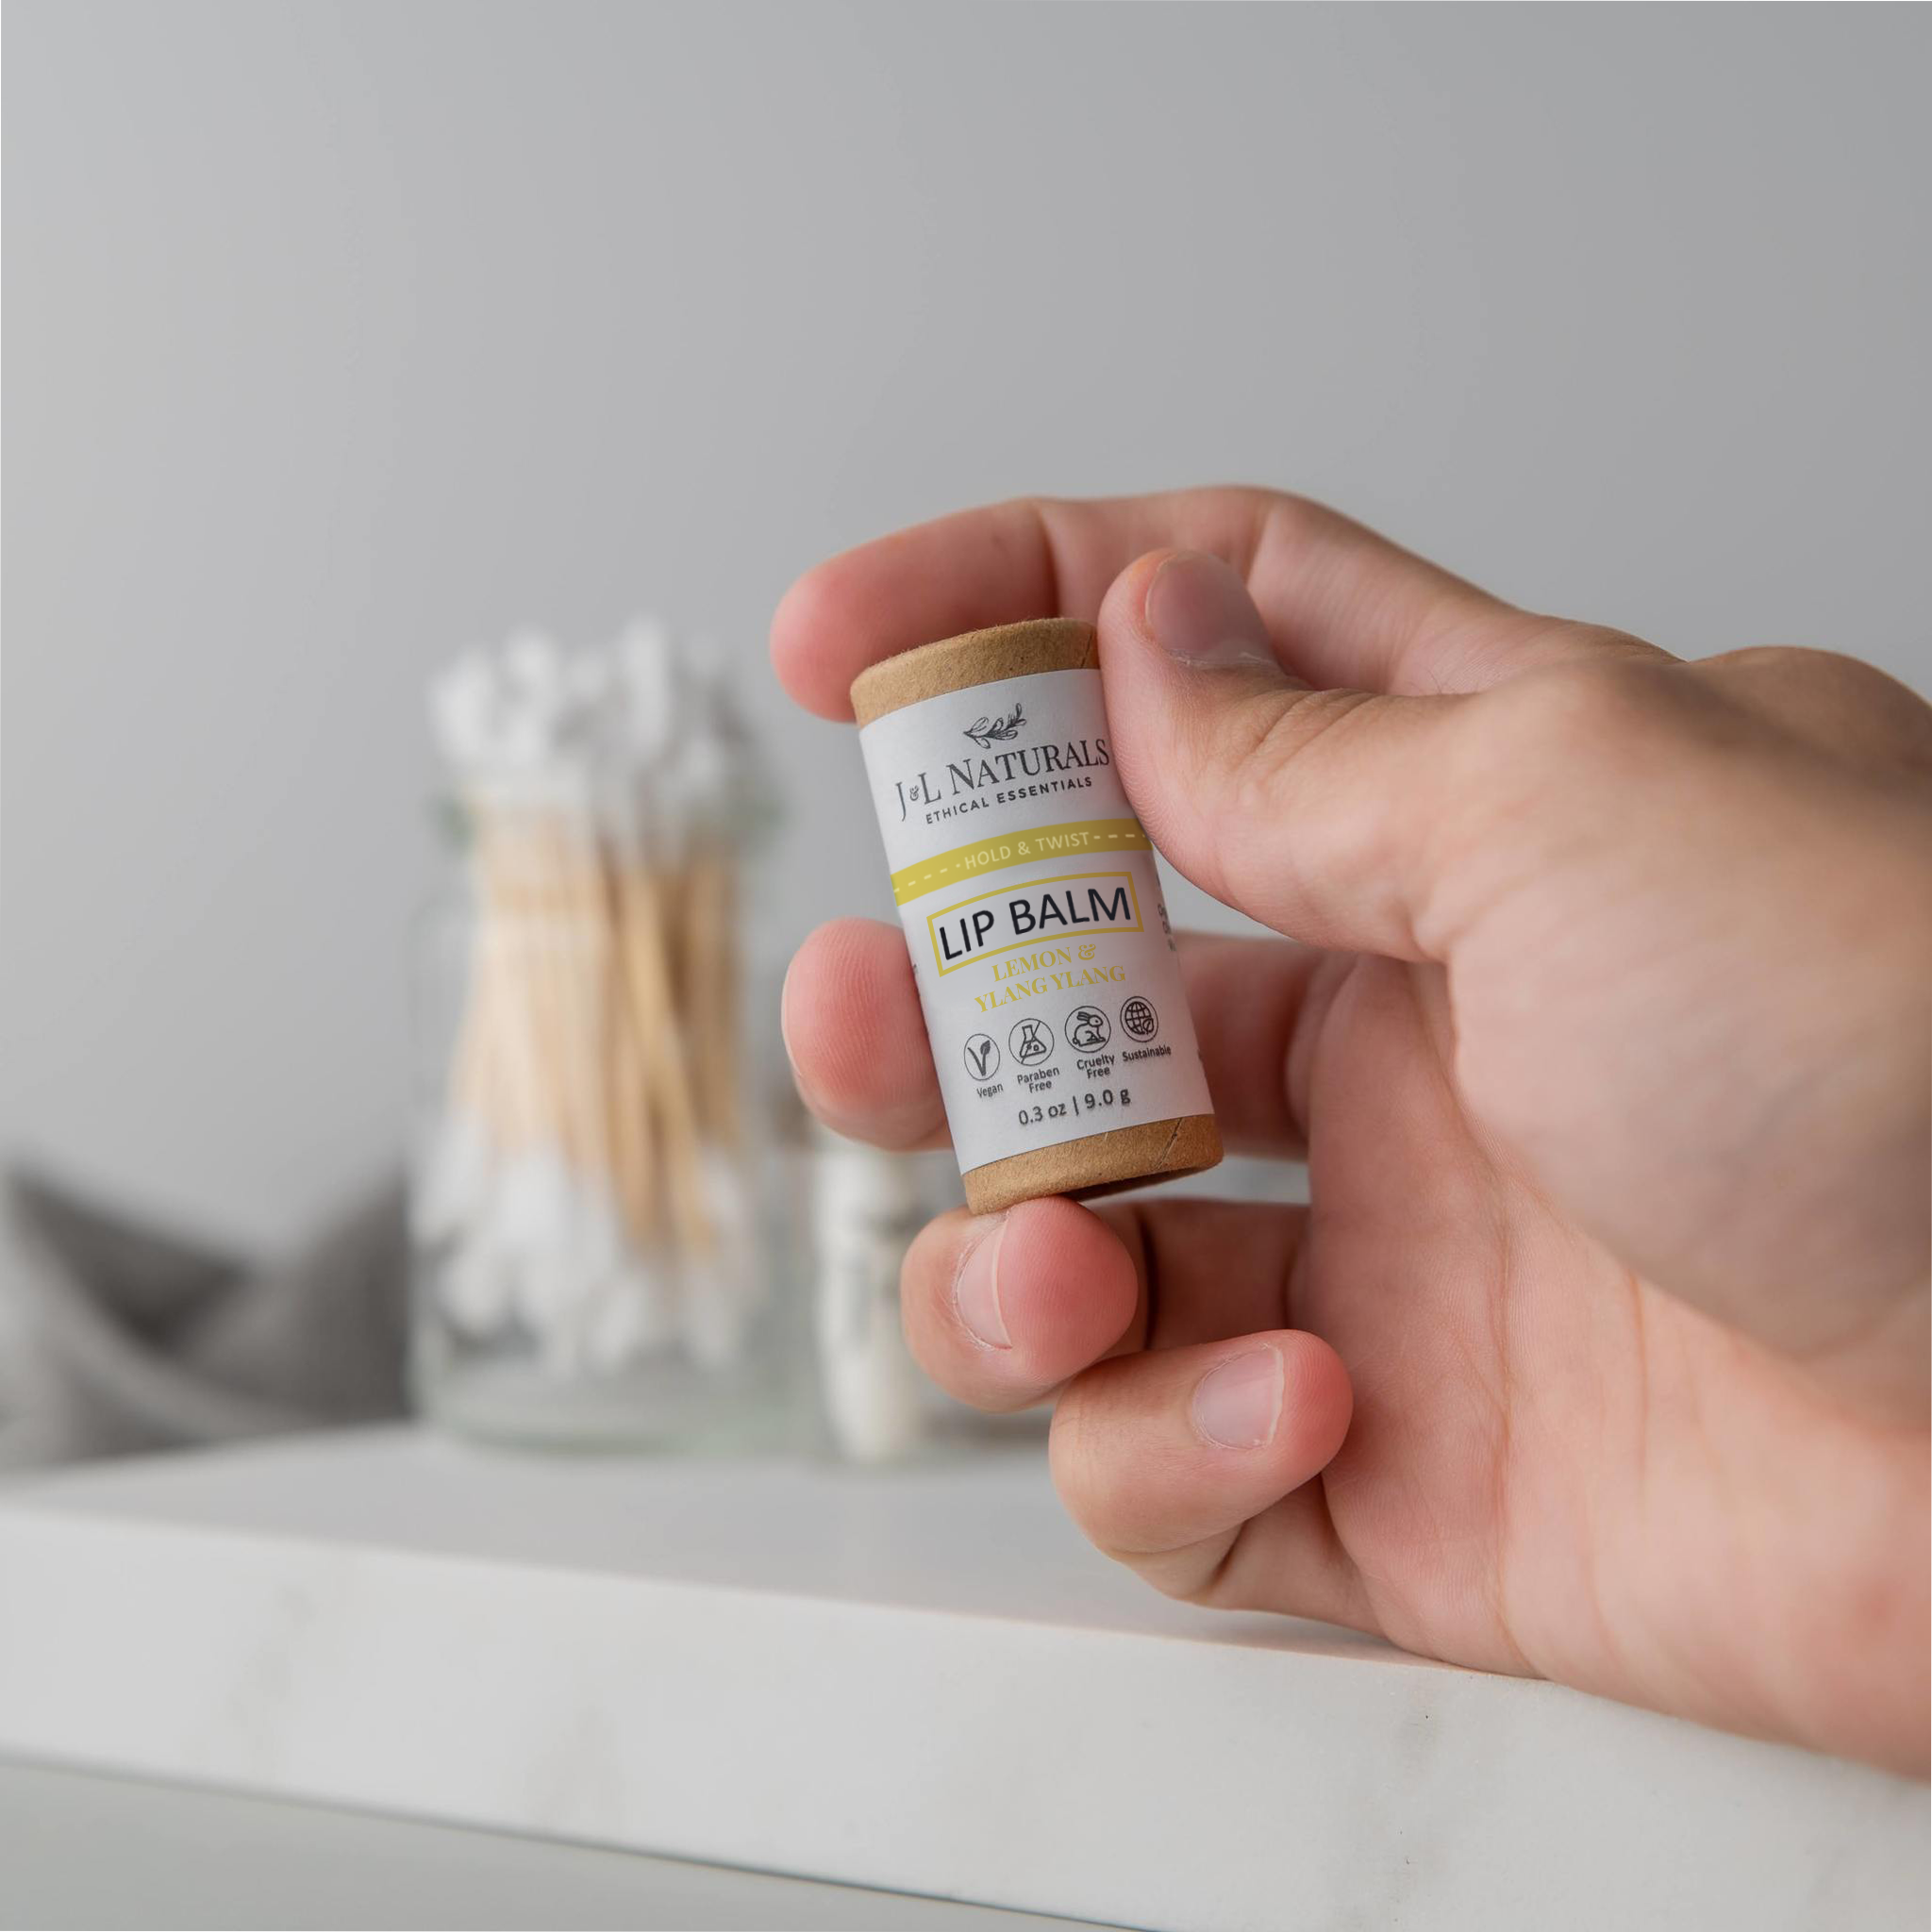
(1040,941)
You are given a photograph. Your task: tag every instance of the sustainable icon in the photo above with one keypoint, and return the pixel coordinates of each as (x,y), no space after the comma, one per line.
(1138,1020)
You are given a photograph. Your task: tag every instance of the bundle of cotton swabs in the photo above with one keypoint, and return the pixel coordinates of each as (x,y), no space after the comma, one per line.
(586,1182)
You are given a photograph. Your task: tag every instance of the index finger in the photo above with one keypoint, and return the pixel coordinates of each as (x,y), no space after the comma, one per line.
(1343,604)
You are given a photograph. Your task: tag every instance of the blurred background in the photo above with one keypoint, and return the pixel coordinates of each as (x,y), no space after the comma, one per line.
(345,336)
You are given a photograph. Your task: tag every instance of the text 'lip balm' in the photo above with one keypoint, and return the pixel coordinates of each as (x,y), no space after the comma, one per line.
(1032,908)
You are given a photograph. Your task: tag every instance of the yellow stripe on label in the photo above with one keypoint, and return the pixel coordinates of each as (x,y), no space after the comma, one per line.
(1068,841)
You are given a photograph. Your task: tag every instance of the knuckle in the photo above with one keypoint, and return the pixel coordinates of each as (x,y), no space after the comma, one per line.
(1085,1475)
(1842,702)
(1803,674)
(1110,1482)
(1581,725)
(1286,524)
(1775,657)
(1277,754)
(1539,771)
(1275,734)
(1266,743)
(1800,661)
(1573,708)
(1198,1578)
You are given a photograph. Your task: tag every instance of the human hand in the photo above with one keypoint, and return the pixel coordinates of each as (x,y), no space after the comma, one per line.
(1604,1032)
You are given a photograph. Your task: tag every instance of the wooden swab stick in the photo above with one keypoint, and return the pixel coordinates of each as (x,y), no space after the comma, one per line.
(710,900)
(654,1013)
(629,1101)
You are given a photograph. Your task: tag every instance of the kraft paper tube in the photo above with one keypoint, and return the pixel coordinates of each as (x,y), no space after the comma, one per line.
(1111,1158)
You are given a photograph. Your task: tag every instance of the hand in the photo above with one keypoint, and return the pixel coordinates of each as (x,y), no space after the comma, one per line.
(1605,1031)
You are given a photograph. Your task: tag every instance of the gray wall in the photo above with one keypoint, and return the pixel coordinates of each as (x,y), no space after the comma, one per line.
(342,336)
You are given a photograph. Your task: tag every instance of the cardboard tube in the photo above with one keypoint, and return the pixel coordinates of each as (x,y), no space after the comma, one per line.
(1113,1159)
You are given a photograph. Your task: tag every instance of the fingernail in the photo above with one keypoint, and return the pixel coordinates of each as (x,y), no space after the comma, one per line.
(977,1286)
(785,1028)
(1238,1402)
(1200,611)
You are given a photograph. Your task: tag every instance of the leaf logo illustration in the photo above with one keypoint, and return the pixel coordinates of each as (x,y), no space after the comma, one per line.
(985,731)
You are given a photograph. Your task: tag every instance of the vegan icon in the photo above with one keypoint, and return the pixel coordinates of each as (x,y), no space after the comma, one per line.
(982,1056)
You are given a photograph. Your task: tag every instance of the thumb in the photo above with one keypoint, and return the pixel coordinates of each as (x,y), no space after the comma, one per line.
(1325,814)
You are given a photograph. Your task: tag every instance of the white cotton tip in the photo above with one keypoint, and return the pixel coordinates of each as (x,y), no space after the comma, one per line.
(590,692)
(451,1180)
(530,736)
(722,781)
(721,1295)
(735,1214)
(726,1185)
(705,773)
(464,708)
(475,1289)
(552,1292)
(873,1401)
(647,676)
(598,1237)
(533,1205)
(535,728)
(868,1206)
(566,1237)
(629,1317)
(533,667)
(525,742)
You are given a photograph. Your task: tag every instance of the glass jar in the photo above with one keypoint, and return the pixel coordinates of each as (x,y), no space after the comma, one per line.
(875,1404)
(594,1233)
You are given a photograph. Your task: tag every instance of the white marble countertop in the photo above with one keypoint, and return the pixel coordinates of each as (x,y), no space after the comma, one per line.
(289,1865)
(920,1681)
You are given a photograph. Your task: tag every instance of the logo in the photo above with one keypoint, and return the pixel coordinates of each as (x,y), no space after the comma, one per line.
(982,1056)
(967,780)
(1088,1029)
(1138,1020)
(972,781)
(985,732)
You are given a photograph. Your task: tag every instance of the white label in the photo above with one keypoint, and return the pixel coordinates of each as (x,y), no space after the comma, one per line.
(1032,908)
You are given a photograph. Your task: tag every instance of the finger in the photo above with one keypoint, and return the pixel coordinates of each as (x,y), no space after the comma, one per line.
(1001,1310)
(858,1047)
(1345,606)
(1330,815)
(1166,1459)
(856,1040)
